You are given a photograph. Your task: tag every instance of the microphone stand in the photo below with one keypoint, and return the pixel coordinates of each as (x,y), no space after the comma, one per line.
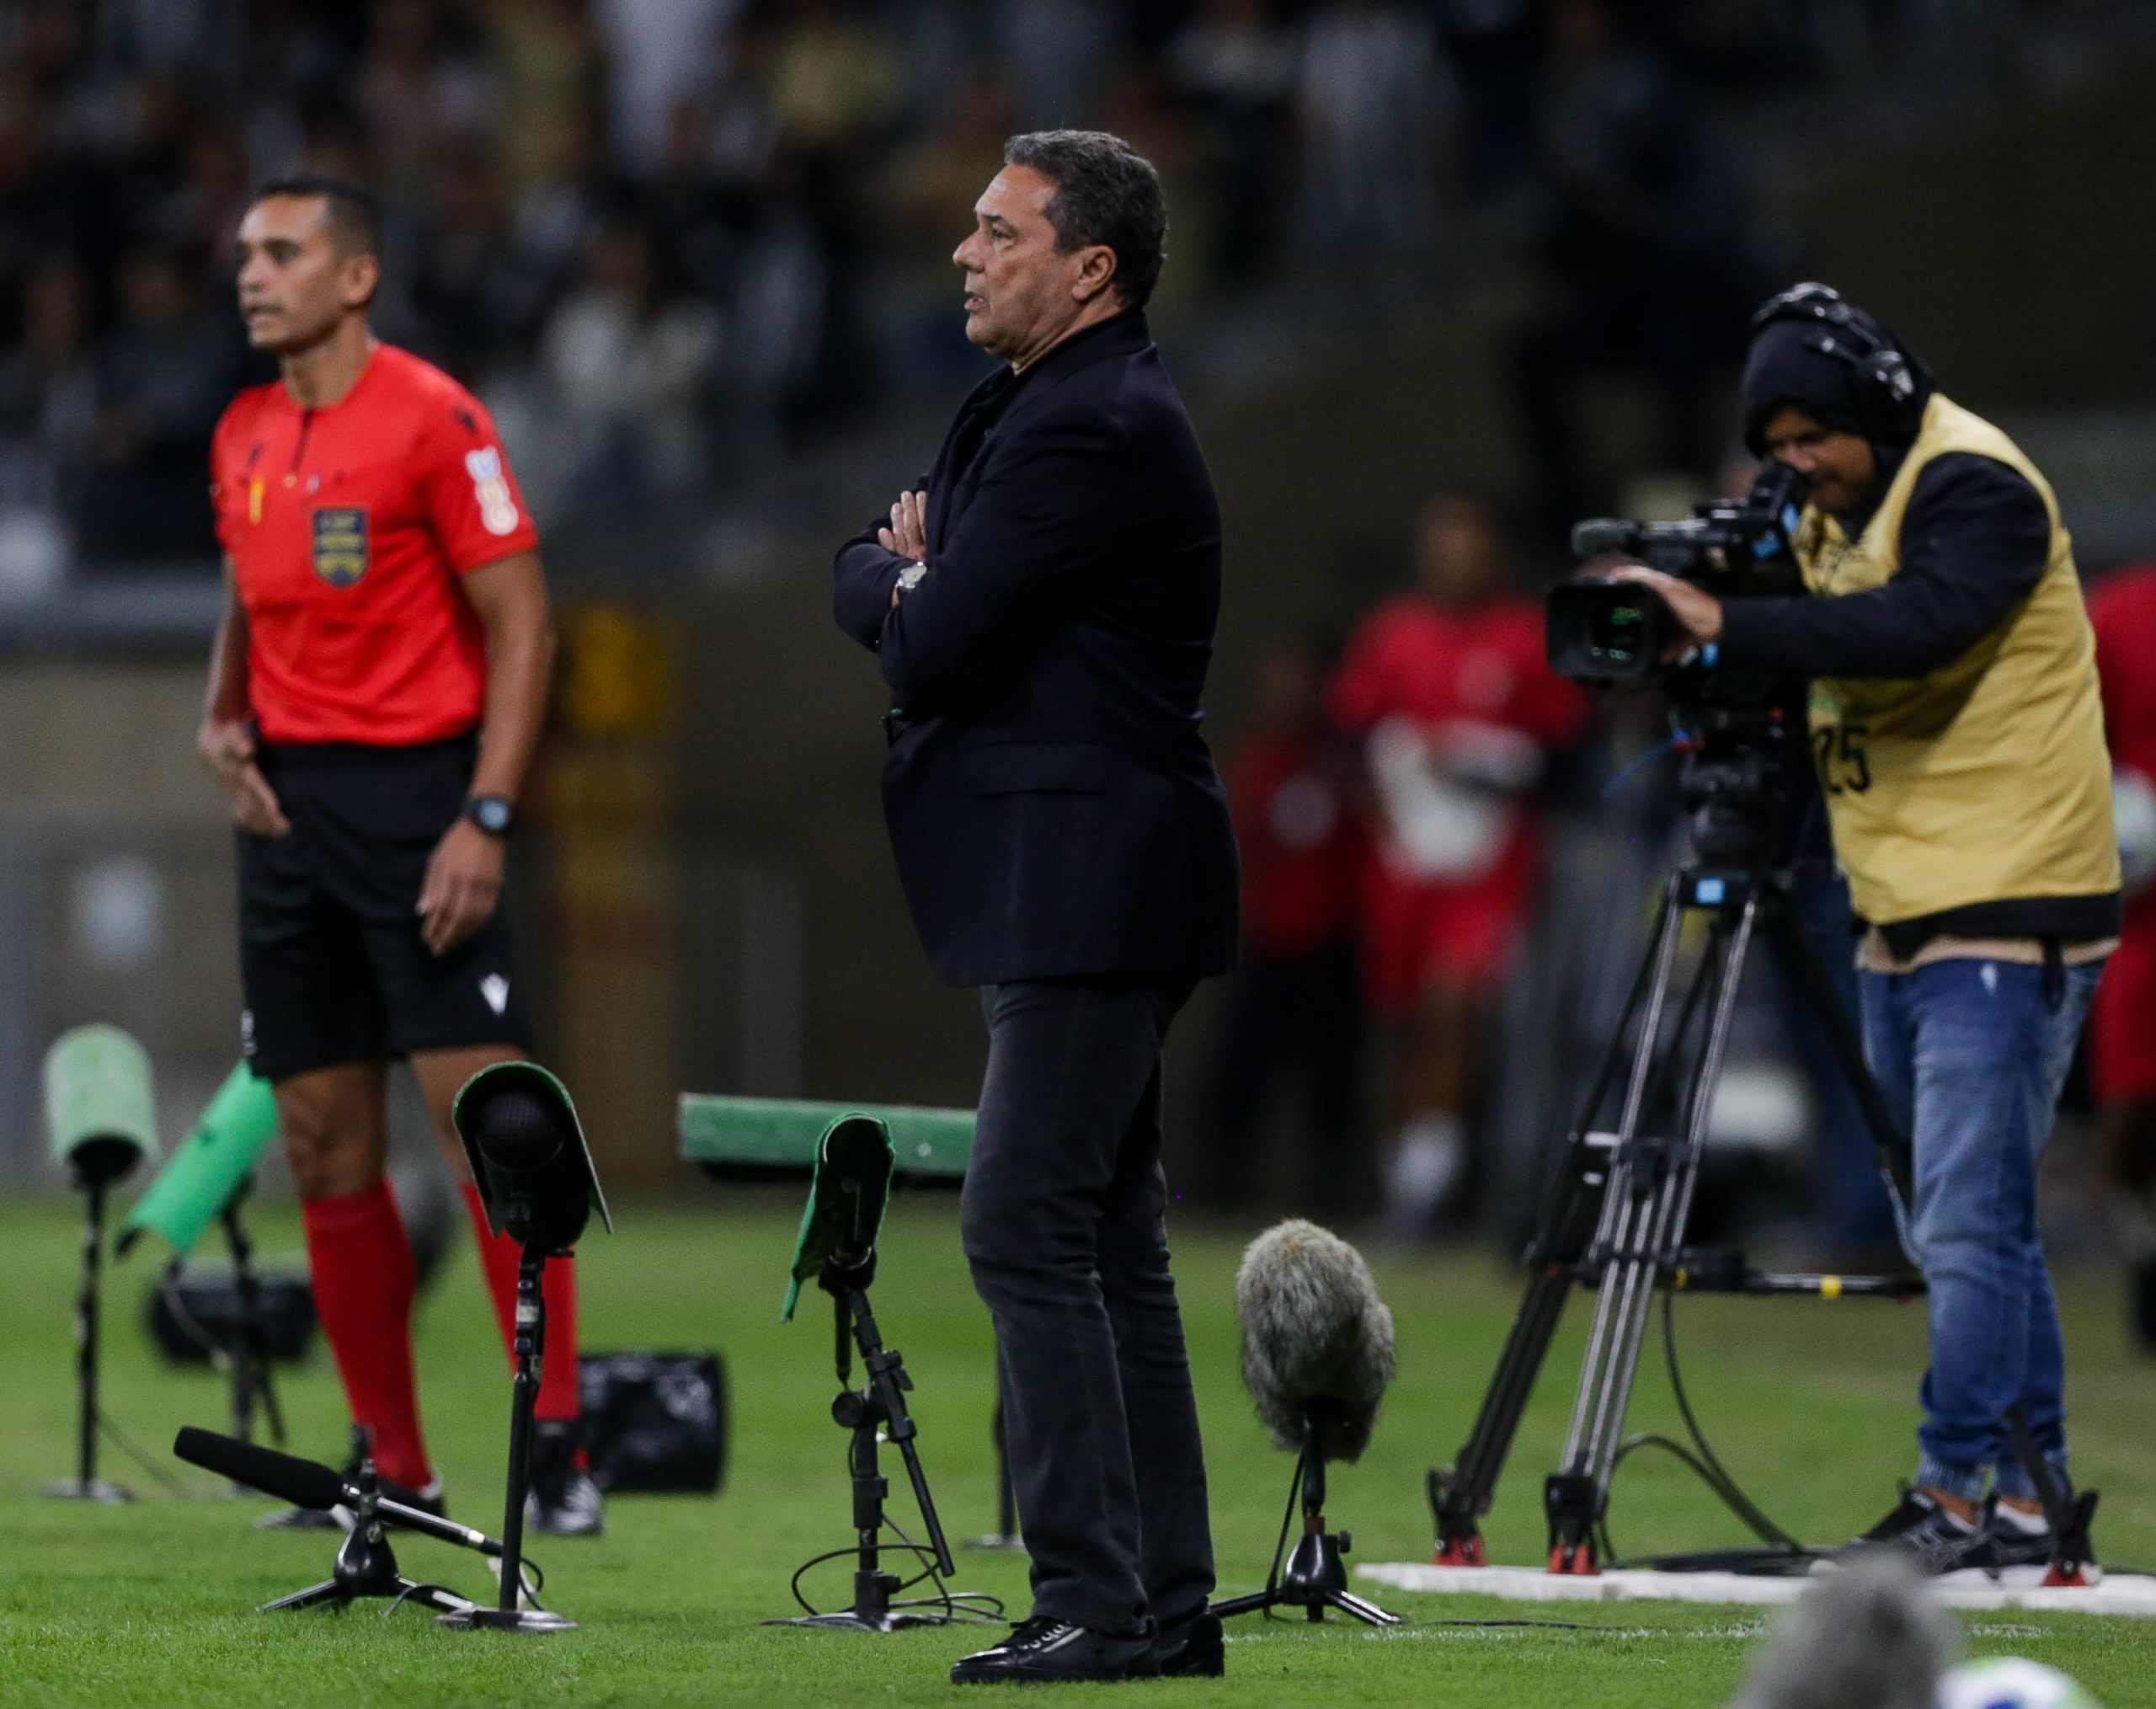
(878,1405)
(1316,1575)
(249,1352)
(515,1611)
(366,1566)
(86,1485)
(1006,1534)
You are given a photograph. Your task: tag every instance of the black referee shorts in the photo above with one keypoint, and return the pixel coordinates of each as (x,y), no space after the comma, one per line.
(331,959)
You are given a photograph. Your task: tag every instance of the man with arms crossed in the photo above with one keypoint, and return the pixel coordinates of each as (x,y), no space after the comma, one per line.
(1042,604)
(376,690)
(1960,743)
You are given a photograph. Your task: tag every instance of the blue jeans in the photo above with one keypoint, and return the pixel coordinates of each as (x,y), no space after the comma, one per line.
(1971,1056)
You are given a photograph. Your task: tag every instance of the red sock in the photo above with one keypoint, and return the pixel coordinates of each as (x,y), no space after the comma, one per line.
(364,1283)
(499,1257)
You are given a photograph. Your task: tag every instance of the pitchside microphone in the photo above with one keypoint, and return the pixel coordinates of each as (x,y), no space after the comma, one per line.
(308,1483)
(1317,1356)
(1869,1636)
(1317,1341)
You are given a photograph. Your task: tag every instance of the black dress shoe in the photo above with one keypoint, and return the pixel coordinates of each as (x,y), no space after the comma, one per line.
(1191,1647)
(1040,1651)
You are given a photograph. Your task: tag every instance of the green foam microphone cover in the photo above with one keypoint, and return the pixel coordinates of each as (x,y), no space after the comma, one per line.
(847,1196)
(100,1115)
(209,1165)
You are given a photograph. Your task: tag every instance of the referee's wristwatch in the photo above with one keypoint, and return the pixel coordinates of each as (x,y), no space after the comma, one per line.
(493,814)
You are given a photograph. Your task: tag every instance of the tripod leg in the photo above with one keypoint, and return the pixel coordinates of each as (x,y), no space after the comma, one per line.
(1649,1227)
(1369,1612)
(1573,1207)
(312,1597)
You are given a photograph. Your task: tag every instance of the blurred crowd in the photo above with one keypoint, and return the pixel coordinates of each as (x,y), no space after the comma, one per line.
(664,235)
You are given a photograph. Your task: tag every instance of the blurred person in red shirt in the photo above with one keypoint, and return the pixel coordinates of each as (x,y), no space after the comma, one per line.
(1446,689)
(1294,1004)
(377,689)
(2122,1018)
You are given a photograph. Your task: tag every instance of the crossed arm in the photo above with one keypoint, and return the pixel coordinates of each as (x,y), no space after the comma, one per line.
(1047,511)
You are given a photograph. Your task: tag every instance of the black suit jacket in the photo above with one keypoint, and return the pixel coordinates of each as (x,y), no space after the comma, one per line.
(1053,810)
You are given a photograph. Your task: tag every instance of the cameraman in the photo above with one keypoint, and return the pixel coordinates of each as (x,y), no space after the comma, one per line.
(1959,738)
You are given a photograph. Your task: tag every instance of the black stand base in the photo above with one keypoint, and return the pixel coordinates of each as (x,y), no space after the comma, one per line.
(533,1620)
(849,1620)
(94,1489)
(366,1567)
(1315,1577)
(1315,1580)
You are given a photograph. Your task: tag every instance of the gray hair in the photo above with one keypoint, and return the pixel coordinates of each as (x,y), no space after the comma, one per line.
(1105,192)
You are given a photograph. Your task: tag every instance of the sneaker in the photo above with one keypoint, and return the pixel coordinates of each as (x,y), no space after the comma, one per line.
(1191,1647)
(1922,1529)
(564,1501)
(1044,1650)
(2015,1549)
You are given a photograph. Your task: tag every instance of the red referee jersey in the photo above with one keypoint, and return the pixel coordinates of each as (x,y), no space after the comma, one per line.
(347,528)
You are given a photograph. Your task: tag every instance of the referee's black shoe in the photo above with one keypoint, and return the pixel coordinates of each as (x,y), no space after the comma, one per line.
(1191,1647)
(565,1501)
(1042,1652)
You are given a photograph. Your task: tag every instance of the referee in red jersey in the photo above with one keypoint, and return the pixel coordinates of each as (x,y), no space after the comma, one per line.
(376,690)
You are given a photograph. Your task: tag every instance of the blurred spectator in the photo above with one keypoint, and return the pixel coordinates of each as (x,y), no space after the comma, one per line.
(165,375)
(1293,1010)
(423,87)
(1369,100)
(834,87)
(1446,691)
(658,53)
(477,294)
(1495,49)
(627,365)
(1059,53)
(48,392)
(1235,64)
(1648,247)
(2123,1023)
(550,84)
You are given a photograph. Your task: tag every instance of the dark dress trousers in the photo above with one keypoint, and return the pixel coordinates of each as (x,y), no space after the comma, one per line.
(1063,840)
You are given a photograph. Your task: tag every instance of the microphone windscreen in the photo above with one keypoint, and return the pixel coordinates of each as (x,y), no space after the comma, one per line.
(302,1483)
(1317,1341)
(100,1116)
(515,1130)
(1869,1633)
(209,1164)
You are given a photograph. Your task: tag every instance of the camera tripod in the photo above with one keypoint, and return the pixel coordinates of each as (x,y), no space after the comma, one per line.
(1615,1212)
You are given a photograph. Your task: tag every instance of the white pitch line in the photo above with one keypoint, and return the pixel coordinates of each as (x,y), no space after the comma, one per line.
(2121,1593)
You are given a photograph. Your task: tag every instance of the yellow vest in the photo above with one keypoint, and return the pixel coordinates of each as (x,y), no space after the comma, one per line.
(1986,781)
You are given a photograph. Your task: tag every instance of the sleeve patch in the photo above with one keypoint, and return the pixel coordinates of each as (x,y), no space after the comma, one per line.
(497,507)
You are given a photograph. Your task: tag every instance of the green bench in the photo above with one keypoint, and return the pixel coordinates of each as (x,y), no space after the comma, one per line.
(769,1138)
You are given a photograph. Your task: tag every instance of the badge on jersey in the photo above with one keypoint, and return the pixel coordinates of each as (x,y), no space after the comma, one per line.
(340,543)
(490,487)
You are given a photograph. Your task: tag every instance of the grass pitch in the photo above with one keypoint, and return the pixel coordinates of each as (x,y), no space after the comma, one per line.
(1810,1405)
